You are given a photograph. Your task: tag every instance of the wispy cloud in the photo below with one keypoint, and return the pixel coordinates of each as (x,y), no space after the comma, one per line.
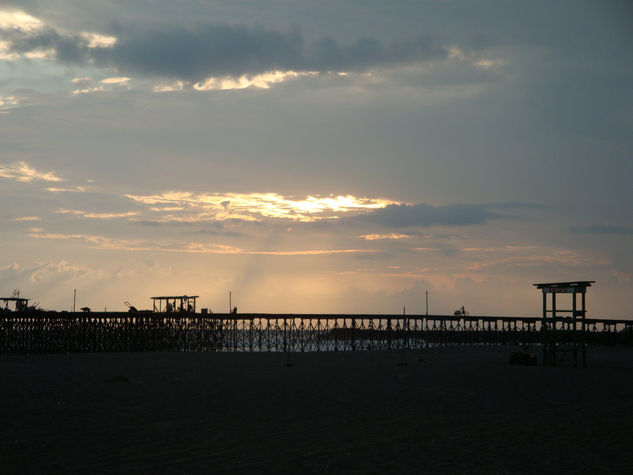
(217,249)
(97,241)
(115,80)
(480,249)
(103,242)
(27,219)
(488,63)
(57,271)
(21,171)
(90,215)
(604,229)
(559,257)
(74,189)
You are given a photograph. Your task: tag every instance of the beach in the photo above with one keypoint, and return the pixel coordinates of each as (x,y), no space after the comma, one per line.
(447,410)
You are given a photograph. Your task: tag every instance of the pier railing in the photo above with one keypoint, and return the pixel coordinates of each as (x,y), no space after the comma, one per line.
(67,332)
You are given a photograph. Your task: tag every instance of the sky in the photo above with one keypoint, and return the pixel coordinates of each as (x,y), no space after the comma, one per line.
(317,156)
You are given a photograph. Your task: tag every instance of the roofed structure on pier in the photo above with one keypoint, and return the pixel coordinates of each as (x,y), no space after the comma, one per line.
(177,303)
(20,303)
(576,287)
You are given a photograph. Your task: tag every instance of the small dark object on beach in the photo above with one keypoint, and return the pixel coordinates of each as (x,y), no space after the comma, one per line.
(523,358)
(118,379)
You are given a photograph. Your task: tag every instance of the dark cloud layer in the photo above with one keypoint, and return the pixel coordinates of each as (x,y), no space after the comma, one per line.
(221,49)
(425,215)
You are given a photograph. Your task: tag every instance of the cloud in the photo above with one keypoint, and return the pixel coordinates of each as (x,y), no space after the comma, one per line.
(189,207)
(8,103)
(60,271)
(209,51)
(76,189)
(21,171)
(27,218)
(17,20)
(115,80)
(604,229)
(403,215)
(260,81)
(85,85)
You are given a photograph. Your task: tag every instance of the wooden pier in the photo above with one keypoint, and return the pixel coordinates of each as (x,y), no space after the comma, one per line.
(67,332)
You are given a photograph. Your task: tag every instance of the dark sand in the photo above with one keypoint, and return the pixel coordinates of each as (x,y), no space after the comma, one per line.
(461,410)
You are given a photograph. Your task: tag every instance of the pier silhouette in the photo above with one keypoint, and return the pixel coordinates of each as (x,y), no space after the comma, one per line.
(32,331)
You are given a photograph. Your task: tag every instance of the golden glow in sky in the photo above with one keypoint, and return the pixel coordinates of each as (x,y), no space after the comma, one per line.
(12,19)
(374,237)
(191,207)
(259,81)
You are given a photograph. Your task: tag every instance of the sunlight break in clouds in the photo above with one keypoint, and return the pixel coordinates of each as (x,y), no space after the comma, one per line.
(175,86)
(21,171)
(19,21)
(373,237)
(83,214)
(7,102)
(115,80)
(259,81)
(84,85)
(23,23)
(76,189)
(96,40)
(253,206)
